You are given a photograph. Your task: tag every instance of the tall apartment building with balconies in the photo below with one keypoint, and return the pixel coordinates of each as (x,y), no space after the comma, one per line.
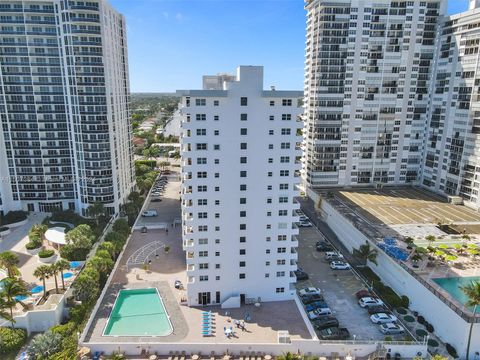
(452,158)
(368,77)
(240,150)
(64,106)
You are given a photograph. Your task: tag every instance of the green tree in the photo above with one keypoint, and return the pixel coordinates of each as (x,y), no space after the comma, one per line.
(62,265)
(117,239)
(473,294)
(43,272)
(409,241)
(54,273)
(80,237)
(13,287)
(430,239)
(44,345)
(121,226)
(5,312)
(365,253)
(164,164)
(137,200)
(109,247)
(103,265)
(9,262)
(96,210)
(85,287)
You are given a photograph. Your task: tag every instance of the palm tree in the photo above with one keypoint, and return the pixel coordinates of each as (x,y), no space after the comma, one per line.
(62,265)
(109,247)
(473,293)
(431,239)
(102,265)
(43,273)
(54,273)
(9,262)
(13,287)
(409,241)
(164,164)
(365,253)
(5,312)
(96,210)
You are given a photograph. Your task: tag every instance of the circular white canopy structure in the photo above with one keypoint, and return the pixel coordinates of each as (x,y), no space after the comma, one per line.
(56,235)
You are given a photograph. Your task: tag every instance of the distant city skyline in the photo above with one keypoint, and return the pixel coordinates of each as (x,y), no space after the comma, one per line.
(173,43)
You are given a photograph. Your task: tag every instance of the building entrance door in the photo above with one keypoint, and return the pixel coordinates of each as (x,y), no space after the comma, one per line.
(204,298)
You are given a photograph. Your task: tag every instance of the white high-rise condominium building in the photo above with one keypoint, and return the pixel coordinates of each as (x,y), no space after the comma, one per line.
(65,141)
(240,167)
(452,162)
(367,83)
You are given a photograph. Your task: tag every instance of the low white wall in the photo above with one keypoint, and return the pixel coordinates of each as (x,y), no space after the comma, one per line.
(39,320)
(313,347)
(448,325)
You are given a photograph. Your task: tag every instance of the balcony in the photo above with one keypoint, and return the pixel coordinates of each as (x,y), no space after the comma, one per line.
(191,280)
(190,255)
(190,267)
(188,243)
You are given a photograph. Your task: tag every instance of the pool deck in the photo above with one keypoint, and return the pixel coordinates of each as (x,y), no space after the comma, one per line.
(162,272)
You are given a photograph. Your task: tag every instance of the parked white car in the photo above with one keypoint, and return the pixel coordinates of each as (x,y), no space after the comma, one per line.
(369,301)
(339,265)
(149,213)
(319,312)
(305,224)
(310,291)
(391,329)
(333,255)
(303,218)
(382,318)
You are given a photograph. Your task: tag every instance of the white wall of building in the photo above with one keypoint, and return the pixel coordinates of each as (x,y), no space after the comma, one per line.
(267,256)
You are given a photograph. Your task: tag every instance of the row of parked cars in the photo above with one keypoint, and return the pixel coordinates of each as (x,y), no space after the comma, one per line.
(379,313)
(304,221)
(156,194)
(325,324)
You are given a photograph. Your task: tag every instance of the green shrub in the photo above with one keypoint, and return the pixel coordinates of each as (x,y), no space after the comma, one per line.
(388,338)
(11,339)
(64,329)
(33,245)
(3,228)
(405,301)
(451,350)
(13,217)
(429,327)
(72,253)
(46,253)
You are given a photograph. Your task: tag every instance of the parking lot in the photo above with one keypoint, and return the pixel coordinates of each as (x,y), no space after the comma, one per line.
(167,209)
(339,288)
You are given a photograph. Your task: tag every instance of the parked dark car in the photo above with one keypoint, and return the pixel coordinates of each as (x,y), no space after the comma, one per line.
(301,275)
(307,299)
(325,322)
(156,200)
(323,246)
(316,305)
(378,309)
(334,333)
(362,293)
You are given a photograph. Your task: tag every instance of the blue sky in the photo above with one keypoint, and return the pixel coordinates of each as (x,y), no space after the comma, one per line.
(172,43)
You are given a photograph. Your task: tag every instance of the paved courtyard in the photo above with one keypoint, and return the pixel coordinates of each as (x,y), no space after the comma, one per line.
(161,272)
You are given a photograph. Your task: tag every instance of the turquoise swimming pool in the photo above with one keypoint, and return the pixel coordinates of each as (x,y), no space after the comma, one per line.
(452,286)
(138,312)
